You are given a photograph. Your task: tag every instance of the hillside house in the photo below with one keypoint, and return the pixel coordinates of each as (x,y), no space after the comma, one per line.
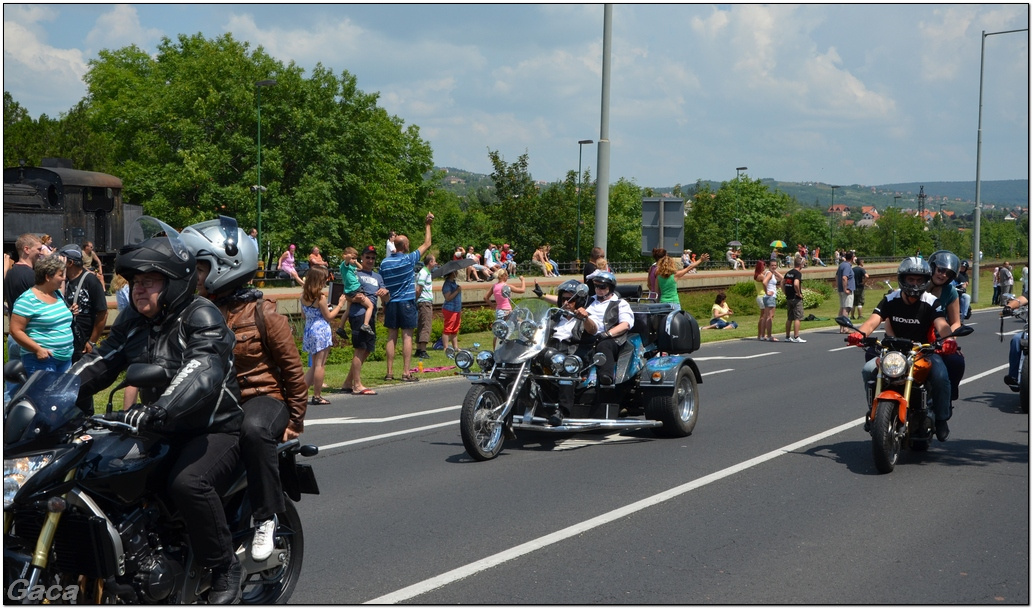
(839,209)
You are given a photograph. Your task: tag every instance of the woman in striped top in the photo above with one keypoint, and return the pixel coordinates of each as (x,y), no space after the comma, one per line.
(41,322)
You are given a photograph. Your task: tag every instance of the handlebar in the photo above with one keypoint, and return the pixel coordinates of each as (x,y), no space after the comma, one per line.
(98,420)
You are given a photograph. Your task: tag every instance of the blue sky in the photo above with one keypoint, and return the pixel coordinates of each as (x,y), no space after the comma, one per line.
(841,94)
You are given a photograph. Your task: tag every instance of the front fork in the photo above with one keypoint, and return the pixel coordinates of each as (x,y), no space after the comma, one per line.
(503,411)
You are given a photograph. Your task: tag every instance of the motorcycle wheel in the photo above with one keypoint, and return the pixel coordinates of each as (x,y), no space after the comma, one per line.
(481,431)
(275,586)
(886,436)
(678,410)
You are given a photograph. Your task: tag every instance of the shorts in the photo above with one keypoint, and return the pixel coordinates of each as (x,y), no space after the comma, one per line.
(722,324)
(501,313)
(400,315)
(360,339)
(794,309)
(769,302)
(846,301)
(453,319)
(424,318)
(858,298)
(352,295)
(760,302)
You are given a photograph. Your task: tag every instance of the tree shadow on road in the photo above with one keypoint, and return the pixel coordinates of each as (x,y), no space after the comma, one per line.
(1005,401)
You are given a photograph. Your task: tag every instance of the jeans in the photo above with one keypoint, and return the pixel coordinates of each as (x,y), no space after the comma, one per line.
(966,300)
(1014,355)
(938,384)
(265,419)
(202,472)
(33,363)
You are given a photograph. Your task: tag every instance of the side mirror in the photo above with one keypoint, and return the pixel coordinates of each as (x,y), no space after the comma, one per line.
(582,290)
(506,291)
(14,371)
(963,331)
(844,321)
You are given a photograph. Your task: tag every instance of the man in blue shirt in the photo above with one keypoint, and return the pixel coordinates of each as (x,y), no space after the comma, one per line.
(845,286)
(398,271)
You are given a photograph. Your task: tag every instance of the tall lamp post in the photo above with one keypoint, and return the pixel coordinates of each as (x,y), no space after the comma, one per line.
(737,188)
(577,250)
(979,150)
(258,188)
(832,210)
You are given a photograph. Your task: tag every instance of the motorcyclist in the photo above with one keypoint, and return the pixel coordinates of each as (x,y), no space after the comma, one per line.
(198,410)
(609,318)
(909,312)
(273,392)
(945,265)
(568,329)
(1015,346)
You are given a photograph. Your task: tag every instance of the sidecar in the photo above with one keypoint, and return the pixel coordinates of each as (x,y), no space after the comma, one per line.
(527,378)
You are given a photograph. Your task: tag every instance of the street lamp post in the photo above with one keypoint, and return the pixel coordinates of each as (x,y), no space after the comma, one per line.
(258,187)
(895,199)
(832,210)
(979,151)
(737,188)
(577,251)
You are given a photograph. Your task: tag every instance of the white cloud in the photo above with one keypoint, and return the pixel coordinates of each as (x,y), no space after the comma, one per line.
(43,77)
(121,27)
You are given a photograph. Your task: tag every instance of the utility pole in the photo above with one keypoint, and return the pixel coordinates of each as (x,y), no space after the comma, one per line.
(602,181)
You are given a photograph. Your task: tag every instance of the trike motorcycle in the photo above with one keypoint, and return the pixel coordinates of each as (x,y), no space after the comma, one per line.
(528,376)
(86,517)
(900,414)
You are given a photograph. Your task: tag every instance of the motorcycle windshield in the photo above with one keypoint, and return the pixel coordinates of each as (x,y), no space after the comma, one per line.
(45,403)
(529,329)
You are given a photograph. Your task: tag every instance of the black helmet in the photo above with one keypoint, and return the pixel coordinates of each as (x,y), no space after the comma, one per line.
(160,251)
(945,260)
(605,278)
(914,266)
(570,287)
(232,255)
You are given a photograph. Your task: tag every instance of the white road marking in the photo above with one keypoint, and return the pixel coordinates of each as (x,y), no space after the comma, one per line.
(842,348)
(342,420)
(717,371)
(982,374)
(731,357)
(386,435)
(572,531)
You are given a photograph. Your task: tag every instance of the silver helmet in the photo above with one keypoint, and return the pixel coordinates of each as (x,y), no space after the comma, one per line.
(914,266)
(227,248)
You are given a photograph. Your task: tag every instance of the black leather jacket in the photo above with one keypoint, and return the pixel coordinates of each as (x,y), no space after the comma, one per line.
(194,346)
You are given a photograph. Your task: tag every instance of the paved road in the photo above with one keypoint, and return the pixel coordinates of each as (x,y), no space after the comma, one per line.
(773,499)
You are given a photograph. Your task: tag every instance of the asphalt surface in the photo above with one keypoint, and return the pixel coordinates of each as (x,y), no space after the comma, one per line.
(773,499)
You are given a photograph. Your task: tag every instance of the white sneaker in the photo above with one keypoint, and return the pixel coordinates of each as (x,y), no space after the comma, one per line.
(262,544)
(799,340)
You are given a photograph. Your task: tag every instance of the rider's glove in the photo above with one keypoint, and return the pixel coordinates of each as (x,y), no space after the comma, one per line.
(144,417)
(537,290)
(855,339)
(950,347)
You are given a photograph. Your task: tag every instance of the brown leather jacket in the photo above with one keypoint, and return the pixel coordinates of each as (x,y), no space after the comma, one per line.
(272,368)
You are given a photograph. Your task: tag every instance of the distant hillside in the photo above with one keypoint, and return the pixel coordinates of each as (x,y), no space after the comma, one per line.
(955,196)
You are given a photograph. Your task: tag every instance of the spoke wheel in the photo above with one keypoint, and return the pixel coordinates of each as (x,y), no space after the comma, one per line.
(478,425)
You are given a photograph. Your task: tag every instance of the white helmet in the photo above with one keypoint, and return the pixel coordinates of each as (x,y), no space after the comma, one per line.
(232,254)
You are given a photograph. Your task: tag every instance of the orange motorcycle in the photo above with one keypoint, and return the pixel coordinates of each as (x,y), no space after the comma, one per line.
(900,414)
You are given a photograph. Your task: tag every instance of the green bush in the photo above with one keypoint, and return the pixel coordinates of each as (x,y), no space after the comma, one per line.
(477,320)
(824,288)
(811,299)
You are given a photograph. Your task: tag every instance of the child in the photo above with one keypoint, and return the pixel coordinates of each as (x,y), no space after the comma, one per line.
(452,309)
(502,304)
(352,287)
(316,339)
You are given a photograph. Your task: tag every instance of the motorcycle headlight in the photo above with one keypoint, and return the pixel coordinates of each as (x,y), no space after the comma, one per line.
(557,361)
(464,359)
(571,364)
(18,471)
(894,364)
(527,329)
(486,360)
(500,329)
